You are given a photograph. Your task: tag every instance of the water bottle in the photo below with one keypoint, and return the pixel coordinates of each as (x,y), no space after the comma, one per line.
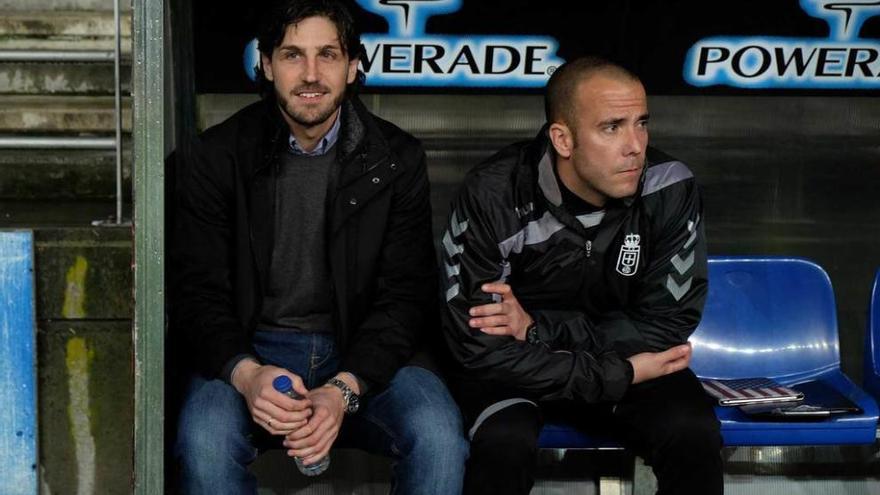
(283,384)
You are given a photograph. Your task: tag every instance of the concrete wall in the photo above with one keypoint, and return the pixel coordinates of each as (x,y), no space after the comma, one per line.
(124,5)
(85,381)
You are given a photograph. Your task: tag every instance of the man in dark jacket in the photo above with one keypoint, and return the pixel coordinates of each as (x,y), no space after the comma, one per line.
(601,241)
(303,249)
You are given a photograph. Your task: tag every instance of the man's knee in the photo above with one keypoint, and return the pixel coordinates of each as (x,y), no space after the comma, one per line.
(509,436)
(433,424)
(440,440)
(686,452)
(212,428)
(675,415)
(691,432)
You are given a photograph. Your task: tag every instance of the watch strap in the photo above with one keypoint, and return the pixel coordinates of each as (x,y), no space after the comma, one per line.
(348,395)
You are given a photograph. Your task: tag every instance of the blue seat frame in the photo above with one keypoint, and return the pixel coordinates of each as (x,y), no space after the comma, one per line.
(872,341)
(773,317)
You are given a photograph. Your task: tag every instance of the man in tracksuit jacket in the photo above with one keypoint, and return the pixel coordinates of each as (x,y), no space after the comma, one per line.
(302,247)
(575,272)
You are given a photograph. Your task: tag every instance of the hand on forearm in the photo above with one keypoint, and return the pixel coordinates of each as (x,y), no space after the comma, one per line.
(650,365)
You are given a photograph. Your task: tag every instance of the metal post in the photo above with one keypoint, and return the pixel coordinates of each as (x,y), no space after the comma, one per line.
(149,280)
(56,56)
(56,142)
(118,90)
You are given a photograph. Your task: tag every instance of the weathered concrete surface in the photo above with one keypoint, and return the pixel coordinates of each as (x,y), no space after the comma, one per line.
(85,390)
(62,78)
(47,23)
(99,5)
(19,213)
(84,347)
(84,273)
(61,114)
(72,174)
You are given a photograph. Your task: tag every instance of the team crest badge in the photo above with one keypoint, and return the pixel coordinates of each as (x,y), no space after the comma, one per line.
(628,260)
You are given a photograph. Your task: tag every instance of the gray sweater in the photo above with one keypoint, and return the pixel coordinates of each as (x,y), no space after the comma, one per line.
(298,296)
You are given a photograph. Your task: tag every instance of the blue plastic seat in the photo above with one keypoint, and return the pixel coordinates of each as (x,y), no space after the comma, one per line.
(563,436)
(776,317)
(770,317)
(872,341)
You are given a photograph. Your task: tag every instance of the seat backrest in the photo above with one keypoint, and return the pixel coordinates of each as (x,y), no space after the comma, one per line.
(766,317)
(872,340)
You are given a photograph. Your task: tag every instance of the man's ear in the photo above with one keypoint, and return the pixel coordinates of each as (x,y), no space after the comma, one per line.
(352,70)
(266,64)
(563,141)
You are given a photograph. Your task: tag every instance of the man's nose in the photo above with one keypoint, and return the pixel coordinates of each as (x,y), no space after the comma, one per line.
(636,141)
(311,72)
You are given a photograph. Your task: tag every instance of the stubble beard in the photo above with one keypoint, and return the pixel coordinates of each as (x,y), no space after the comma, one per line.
(309,117)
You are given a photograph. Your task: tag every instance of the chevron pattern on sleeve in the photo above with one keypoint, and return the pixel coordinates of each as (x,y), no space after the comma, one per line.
(453,247)
(679,280)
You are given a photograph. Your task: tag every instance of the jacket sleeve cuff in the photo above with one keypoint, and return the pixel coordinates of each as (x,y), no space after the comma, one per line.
(618,375)
(229,367)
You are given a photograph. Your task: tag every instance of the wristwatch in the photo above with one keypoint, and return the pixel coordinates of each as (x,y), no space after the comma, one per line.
(352,401)
(532,334)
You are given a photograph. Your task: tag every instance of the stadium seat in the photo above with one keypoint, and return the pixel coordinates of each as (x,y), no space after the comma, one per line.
(768,317)
(563,436)
(776,317)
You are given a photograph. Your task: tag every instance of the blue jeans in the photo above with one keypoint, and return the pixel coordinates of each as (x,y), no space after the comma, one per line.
(414,421)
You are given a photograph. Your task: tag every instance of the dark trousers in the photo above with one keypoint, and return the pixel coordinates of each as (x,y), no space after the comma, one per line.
(670,422)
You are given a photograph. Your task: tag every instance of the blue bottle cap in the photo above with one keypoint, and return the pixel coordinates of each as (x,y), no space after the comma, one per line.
(282,383)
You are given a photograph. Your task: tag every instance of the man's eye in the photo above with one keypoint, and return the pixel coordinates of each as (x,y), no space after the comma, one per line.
(611,128)
(292,55)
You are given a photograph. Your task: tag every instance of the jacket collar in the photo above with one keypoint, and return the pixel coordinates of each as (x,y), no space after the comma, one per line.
(361,145)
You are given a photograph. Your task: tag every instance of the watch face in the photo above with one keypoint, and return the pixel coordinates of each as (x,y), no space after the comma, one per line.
(532,335)
(353,403)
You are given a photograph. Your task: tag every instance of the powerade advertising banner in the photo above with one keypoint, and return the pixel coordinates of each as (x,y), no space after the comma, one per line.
(408,55)
(842,59)
(677,47)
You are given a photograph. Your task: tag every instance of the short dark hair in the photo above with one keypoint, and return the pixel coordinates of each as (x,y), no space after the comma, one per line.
(561,89)
(284,13)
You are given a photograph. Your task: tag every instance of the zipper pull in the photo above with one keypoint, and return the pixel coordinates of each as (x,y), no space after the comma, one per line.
(589,248)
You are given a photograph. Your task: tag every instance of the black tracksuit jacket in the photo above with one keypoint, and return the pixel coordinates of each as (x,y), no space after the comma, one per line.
(629,278)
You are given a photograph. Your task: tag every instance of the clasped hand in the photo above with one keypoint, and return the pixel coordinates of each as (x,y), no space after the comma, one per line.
(309,425)
(312,441)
